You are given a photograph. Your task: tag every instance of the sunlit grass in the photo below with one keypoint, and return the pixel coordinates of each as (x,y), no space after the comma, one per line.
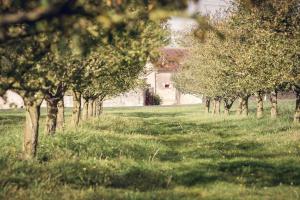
(156,153)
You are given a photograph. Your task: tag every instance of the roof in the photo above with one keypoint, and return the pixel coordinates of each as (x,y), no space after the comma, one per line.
(171,59)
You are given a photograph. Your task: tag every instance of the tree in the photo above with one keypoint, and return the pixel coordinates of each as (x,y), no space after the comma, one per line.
(206,73)
(255,53)
(21,70)
(118,65)
(29,27)
(271,54)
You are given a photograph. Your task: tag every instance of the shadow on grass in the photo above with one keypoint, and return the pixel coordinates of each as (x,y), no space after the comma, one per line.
(260,173)
(247,161)
(168,124)
(145,115)
(228,149)
(143,177)
(251,173)
(158,126)
(84,174)
(11,119)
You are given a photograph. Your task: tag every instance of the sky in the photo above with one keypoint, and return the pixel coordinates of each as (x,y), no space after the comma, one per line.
(179,24)
(208,6)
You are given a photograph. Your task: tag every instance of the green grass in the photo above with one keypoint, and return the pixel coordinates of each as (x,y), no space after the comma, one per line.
(156,153)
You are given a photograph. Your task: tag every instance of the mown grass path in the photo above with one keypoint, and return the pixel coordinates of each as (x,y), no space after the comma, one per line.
(156,153)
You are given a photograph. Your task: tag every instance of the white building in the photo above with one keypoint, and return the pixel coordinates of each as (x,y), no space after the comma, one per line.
(11,100)
(159,81)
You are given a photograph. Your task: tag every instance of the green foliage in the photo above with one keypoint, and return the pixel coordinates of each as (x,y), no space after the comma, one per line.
(156,153)
(116,67)
(23,18)
(61,36)
(156,99)
(258,53)
(96,49)
(207,71)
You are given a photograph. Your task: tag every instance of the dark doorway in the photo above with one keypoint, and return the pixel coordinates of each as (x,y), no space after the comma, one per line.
(149,100)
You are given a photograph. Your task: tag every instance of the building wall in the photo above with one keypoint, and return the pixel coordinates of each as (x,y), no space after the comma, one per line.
(12,100)
(133,98)
(167,94)
(156,80)
(190,99)
(150,79)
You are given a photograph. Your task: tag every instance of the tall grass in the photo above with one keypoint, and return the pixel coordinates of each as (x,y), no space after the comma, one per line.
(156,153)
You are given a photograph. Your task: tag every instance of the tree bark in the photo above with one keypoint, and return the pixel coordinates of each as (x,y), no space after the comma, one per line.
(85,111)
(76,111)
(273,100)
(31,130)
(218,106)
(207,105)
(240,106)
(35,14)
(90,108)
(214,110)
(95,108)
(259,105)
(297,109)
(97,103)
(227,105)
(245,107)
(60,115)
(226,111)
(99,107)
(51,120)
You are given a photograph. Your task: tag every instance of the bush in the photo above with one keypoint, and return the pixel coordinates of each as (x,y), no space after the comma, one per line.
(13,105)
(156,99)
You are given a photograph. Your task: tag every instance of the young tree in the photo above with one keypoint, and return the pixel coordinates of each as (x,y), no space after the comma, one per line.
(20,69)
(118,65)
(271,54)
(206,72)
(27,30)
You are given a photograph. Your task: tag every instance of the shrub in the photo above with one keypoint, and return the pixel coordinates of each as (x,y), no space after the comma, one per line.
(157,100)
(12,105)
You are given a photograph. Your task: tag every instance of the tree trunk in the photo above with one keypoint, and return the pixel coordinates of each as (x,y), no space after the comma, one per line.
(259,105)
(51,116)
(31,130)
(91,108)
(85,111)
(273,100)
(97,102)
(214,110)
(297,109)
(228,102)
(99,107)
(95,108)
(60,115)
(207,105)
(245,107)
(240,106)
(226,111)
(76,111)
(218,106)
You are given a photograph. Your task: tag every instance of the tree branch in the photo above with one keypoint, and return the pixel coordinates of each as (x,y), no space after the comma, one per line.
(36,14)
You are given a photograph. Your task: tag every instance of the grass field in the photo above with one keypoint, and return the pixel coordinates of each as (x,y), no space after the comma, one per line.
(156,153)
